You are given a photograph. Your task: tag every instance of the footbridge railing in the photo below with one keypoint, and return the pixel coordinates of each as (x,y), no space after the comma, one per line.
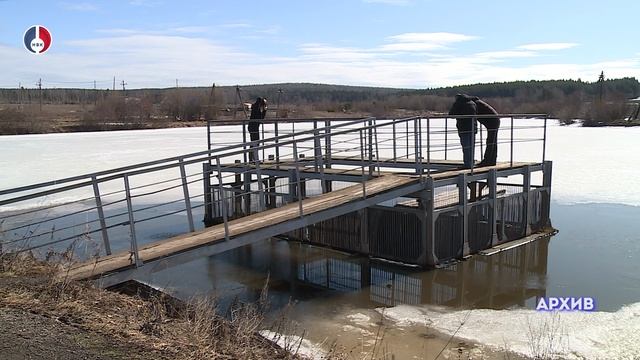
(117,210)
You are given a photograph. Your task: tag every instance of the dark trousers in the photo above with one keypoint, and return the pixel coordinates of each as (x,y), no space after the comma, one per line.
(254,136)
(491,152)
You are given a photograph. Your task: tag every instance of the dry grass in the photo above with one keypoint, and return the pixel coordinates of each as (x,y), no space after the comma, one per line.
(195,331)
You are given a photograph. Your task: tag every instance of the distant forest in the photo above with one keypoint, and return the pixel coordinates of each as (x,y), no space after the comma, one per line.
(603,102)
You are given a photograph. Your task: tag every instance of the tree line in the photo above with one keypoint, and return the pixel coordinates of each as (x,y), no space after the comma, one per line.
(603,102)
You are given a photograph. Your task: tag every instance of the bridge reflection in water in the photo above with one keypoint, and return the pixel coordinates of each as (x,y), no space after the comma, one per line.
(514,277)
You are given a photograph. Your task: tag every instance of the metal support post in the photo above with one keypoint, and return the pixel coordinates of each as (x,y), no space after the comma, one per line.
(208,200)
(364,179)
(222,200)
(319,160)
(527,197)
(298,187)
(132,227)
(464,212)
(103,223)
(546,183)
(493,212)
(427,221)
(187,198)
(259,175)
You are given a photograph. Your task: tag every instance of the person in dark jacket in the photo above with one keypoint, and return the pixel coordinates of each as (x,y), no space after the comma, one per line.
(258,112)
(467,127)
(491,124)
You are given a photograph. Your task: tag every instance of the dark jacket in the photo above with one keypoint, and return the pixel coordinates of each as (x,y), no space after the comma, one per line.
(256,114)
(482,108)
(464,105)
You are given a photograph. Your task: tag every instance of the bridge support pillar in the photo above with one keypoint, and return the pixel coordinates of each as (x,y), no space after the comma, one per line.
(427,226)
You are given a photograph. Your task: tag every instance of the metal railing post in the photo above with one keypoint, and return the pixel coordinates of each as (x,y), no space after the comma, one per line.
(208,203)
(244,140)
(464,212)
(364,178)
(544,140)
(527,196)
(511,144)
(428,146)
(375,137)
(221,198)
(275,129)
(370,146)
(393,139)
(327,144)
(132,227)
(446,136)
(407,137)
(298,186)
(415,145)
(259,175)
(319,160)
(187,198)
(493,196)
(103,223)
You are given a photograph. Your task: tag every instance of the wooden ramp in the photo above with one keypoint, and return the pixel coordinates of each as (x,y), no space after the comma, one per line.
(164,248)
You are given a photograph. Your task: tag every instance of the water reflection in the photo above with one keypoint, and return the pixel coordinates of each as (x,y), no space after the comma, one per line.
(302,272)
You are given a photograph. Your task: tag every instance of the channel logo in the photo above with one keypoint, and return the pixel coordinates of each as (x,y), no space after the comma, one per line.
(37,39)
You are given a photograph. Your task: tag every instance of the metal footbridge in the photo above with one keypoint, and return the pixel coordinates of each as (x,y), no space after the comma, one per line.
(305,183)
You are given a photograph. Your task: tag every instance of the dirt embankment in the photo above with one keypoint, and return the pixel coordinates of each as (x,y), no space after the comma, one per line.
(44,318)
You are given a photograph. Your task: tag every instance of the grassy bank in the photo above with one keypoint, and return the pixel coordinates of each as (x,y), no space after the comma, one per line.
(46,317)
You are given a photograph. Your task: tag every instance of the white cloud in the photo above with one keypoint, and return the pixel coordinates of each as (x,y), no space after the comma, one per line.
(433,38)
(156,60)
(547,46)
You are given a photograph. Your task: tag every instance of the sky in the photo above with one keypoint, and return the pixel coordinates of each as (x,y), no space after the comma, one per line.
(388,43)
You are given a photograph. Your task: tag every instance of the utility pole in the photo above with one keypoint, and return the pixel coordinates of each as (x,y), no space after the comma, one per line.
(114,83)
(177,83)
(40,92)
(123,84)
(95,93)
(20,96)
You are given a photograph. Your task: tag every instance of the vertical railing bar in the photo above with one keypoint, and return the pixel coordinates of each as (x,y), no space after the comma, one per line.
(244,140)
(364,189)
(415,145)
(327,144)
(446,136)
(259,175)
(481,142)
(277,146)
(544,139)
(132,227)
(221,198)
(262,140)
(407,137)
(187,198)
(395,154)
(319,159)
(375,136)
(370,145)
(511,141)
(298,187)
(103,223)
(209,137)
(429,146)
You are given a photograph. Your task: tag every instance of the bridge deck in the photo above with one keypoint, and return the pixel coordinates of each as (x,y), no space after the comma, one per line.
(212,235)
